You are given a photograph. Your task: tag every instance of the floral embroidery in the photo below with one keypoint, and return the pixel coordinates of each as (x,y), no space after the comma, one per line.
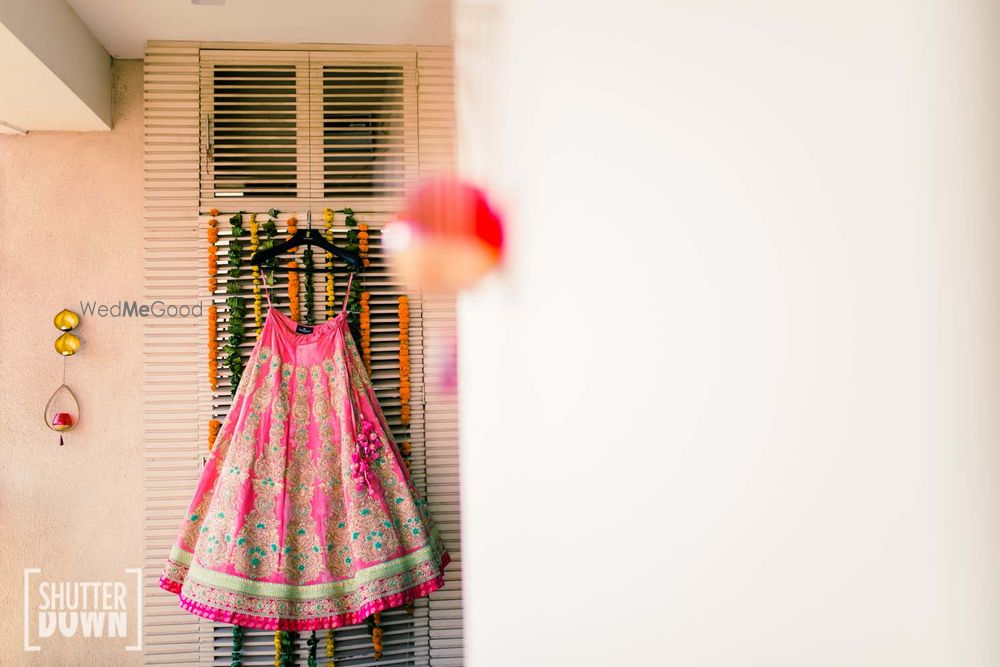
(229,466)
(302,558)
(256,552)
(194,521)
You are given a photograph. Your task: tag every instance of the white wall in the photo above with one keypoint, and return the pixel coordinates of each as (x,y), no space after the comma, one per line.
(734,399)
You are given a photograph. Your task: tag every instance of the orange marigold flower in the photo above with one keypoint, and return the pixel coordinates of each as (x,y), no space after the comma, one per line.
(213,432)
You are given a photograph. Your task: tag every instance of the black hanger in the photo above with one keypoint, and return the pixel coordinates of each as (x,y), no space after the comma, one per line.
(310,237)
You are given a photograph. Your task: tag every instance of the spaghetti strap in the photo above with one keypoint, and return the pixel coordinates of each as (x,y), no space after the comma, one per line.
(267,290)
(347,294)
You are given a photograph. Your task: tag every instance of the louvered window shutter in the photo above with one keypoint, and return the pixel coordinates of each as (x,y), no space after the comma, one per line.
(437,148)
(174,387)
(364,108)
(256,127)
(298,131)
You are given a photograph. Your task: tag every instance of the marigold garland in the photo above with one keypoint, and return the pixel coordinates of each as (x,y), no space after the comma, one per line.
(236,304)
(293,290)
(331,662)
(366,330)
(363,244)
(283,654)
(366,312)
(405,448)
(213,320)
(377,635)
(404,361)
(213,252)
(213,432)
(258,313)
(328,233)
(404,379)
(293,276)
(213,347)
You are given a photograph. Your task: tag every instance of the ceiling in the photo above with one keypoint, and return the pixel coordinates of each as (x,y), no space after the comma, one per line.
(123,26)
(33,97)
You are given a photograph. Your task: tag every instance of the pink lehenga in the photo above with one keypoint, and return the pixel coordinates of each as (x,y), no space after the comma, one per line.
(305,516)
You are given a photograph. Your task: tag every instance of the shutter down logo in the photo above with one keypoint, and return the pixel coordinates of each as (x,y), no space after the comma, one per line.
(82,610)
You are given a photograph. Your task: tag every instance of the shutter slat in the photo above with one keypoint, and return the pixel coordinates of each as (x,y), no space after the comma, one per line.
(437,153)
(170,129)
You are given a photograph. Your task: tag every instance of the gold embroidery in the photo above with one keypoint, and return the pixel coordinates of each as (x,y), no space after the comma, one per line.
(216,533)
(233,455)
(301,561)
(271,459)
(327,470)
(329,392)
(356,369)
(256,555)
(194,520)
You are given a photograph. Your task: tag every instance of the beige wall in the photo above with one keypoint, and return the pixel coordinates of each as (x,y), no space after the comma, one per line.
(70,230)
(72,88)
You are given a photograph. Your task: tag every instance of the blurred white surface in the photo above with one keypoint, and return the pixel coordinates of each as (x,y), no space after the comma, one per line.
(733,401)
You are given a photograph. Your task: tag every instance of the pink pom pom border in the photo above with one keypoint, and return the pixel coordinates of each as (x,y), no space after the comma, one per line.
(325,623)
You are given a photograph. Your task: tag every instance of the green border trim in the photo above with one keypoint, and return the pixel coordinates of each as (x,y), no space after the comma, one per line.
(427,554)
(181,556)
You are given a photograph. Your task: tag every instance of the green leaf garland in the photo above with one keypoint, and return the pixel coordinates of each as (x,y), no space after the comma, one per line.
(287,642)
(270,230)
(354,297)
(311,643)
(310,270)
(237,652)
(237,305)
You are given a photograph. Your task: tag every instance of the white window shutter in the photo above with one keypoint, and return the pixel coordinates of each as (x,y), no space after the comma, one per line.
(255,128)
(436,115)
(364,121)
(174,385)
(353,131)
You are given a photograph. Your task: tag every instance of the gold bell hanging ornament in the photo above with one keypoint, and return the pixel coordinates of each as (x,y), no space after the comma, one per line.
(67,345)
(62,412)
(66,320)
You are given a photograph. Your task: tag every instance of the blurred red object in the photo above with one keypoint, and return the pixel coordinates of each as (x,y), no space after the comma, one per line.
(446,237)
